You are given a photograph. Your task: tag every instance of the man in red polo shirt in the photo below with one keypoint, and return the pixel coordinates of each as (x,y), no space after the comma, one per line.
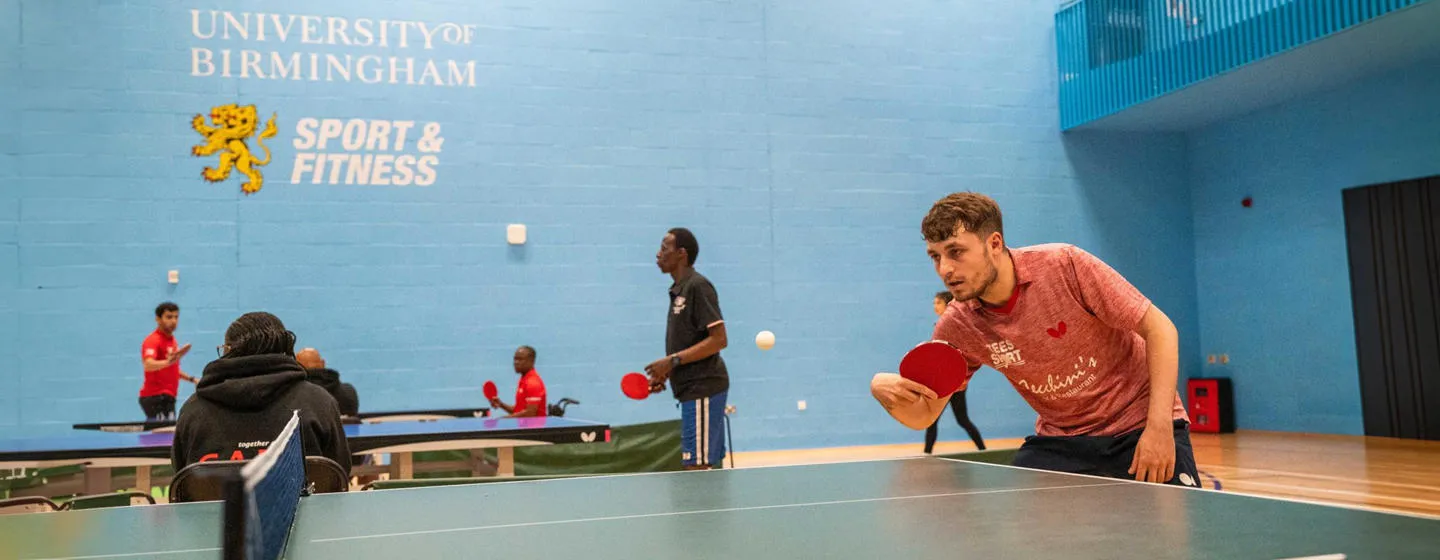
(162,366)
(530,393)
(1095,359)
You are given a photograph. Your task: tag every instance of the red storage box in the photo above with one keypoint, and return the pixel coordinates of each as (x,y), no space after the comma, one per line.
(1212,405)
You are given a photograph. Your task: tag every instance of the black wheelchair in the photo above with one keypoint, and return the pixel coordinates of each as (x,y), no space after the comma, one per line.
(558,408)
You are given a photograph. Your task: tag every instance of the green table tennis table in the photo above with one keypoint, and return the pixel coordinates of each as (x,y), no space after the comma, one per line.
(908,508)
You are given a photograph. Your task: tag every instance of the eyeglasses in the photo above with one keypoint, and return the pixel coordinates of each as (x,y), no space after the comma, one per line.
(222,350)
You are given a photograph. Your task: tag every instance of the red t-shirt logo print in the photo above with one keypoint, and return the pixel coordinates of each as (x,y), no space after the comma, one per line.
(1057,332)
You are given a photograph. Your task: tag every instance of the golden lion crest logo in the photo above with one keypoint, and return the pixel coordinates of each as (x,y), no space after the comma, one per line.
(232,125)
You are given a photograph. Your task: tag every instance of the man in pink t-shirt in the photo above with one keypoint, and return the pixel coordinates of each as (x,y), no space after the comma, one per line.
(1095,359)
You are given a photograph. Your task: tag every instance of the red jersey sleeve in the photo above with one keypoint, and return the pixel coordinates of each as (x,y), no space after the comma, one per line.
(1106,293)
(533,390)
(152,348)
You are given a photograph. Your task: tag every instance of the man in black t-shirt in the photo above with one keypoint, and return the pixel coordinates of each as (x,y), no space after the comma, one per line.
(694,336)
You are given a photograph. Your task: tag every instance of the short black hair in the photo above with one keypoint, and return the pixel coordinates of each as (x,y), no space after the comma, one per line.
(946,297)
(686,240)
(529,349)
(161,309)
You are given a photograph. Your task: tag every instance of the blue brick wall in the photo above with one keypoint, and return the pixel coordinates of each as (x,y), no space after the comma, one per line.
(1274,279)
(802,144)
(9,212)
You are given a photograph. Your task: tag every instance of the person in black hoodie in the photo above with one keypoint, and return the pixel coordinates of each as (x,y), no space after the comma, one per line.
(329,379)
(245,398)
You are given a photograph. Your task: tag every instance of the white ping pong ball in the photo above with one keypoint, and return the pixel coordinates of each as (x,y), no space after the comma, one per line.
(765,340)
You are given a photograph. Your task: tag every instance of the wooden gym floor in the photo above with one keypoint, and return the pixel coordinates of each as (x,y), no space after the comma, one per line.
(1377,473)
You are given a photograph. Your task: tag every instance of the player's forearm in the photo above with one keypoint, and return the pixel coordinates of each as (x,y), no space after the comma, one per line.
(156,365)
(1162,349)
(712,345)
(921,414)
(530,410)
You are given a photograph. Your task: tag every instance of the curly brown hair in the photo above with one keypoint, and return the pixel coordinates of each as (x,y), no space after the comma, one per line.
(977,213)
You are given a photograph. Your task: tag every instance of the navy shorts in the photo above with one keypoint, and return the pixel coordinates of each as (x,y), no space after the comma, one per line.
(1104,456)
(702,431)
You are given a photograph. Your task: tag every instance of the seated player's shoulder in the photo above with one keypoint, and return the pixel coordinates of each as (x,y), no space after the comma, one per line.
(193,400)
(311,395)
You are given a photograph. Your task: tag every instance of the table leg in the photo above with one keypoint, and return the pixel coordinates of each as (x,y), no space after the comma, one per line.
(142,478)
(407,465)
(97,480)
(507,461)
(477,460)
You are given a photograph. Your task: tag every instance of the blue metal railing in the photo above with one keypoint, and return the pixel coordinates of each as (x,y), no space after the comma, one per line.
(1115,53)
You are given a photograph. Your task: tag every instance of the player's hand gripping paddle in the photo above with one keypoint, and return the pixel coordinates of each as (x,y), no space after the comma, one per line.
(935,364)
(635,385)
(491,392)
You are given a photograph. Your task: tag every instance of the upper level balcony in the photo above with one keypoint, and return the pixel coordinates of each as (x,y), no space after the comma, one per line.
(1168,65)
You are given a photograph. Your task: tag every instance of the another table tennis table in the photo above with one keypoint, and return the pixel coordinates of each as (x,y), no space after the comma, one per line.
(101,451)
(912,509)
(363,417)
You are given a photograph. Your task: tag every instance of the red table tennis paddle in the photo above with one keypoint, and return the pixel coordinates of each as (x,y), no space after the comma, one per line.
(490,390)
(635,385)
(935,364)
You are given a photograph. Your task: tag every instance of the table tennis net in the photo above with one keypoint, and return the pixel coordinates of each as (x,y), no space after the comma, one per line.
(260,503)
